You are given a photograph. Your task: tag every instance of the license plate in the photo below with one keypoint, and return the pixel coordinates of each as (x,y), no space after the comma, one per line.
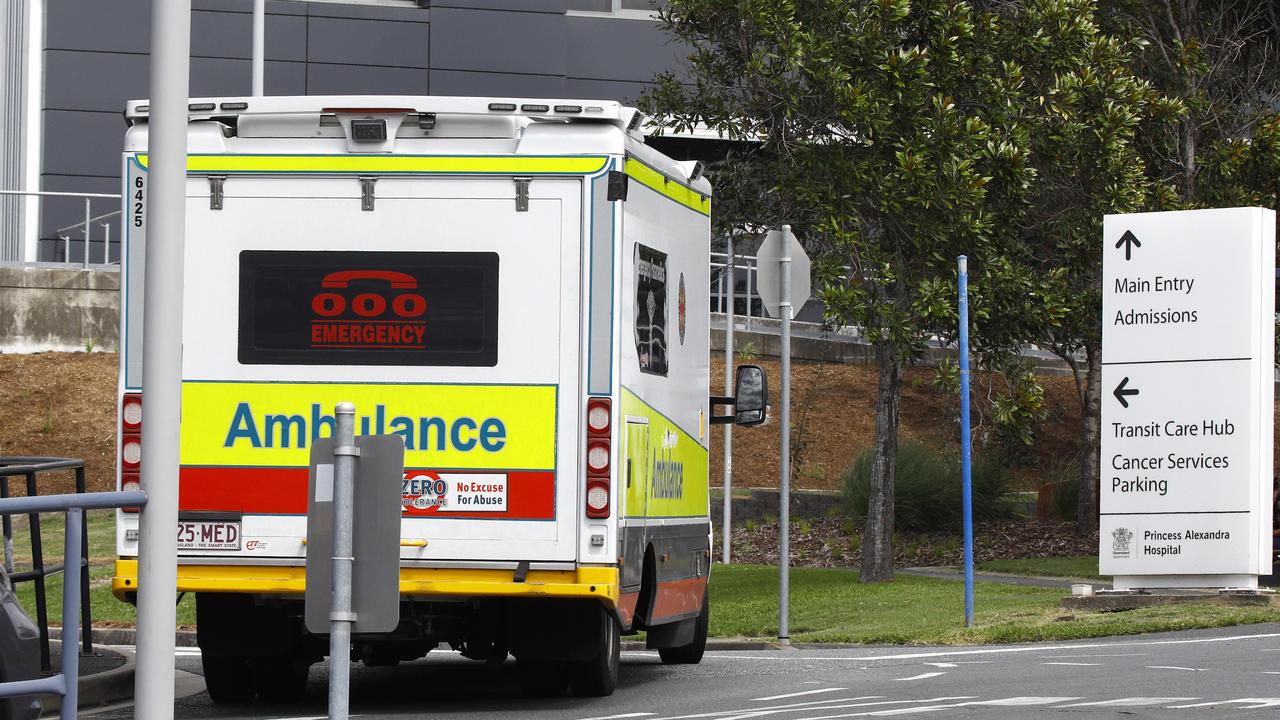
(208,535)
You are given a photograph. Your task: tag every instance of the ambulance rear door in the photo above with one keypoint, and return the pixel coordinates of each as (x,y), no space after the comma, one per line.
(445,308)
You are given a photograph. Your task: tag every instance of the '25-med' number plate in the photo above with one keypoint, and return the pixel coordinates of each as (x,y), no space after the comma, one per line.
(208,535)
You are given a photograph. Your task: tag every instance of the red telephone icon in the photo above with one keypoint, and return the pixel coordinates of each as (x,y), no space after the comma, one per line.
(343,278)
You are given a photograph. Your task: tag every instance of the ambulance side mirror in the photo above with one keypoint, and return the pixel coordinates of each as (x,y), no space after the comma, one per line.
(750,399)
(751,396)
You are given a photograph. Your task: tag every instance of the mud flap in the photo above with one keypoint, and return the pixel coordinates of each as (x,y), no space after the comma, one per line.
(670,635)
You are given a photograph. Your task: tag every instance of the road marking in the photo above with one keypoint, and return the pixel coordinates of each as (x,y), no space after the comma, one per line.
(1073,664)
(942,665)
(1254,703)
(1097,655)
(1130,702)
(895,711)
(813,682)
(795,694)
(755,712)
(921,676)
(1175,667)
(1023,701)
(998,650)
(623,715)
(1270,672)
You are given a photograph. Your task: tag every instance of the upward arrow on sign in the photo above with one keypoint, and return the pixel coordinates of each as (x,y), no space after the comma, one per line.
(1129,241)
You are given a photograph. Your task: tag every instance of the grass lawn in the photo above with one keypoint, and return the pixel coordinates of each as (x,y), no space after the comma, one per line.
(1075,566)
(102,553)
(832,606)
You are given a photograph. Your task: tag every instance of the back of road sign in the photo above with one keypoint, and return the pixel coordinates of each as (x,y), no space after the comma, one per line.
(1187,383)
(767,272)
(375,525)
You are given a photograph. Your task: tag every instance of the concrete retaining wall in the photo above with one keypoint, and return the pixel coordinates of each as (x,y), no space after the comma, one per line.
(55,308)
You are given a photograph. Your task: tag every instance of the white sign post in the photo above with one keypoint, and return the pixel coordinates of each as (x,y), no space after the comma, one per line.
(1187,383)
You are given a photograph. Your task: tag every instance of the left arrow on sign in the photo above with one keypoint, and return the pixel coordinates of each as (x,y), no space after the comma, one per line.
(1120,392)
(1129,241)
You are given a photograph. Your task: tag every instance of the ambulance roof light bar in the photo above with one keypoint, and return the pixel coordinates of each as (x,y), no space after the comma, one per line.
(587,110)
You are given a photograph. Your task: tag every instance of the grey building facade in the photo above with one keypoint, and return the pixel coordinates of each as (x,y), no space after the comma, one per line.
(89,56)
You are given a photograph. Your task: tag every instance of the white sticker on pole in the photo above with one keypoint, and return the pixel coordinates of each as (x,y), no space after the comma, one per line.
(324,483)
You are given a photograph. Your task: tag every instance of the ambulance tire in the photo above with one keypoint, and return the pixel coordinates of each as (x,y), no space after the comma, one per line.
(691,654)
(280,679)
(227,678)
(542,678)
(598,676)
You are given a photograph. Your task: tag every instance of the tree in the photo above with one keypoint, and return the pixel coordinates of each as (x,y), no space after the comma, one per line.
(898,132)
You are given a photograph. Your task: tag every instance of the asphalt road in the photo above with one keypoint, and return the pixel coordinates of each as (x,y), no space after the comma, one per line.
(1225,673)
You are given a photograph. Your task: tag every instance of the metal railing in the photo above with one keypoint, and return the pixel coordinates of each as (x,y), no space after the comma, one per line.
(85,226)
(65,683)
(30,468)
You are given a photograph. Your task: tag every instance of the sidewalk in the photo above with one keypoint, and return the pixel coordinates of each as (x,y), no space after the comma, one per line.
(106,678)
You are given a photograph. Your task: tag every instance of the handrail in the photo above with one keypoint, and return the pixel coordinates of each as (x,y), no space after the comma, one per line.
(65,683)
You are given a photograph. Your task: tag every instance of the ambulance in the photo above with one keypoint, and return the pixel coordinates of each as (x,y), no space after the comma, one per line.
(516,288)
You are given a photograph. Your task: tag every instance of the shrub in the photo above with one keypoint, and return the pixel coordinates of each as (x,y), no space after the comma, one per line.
(927,494)
(1063,476)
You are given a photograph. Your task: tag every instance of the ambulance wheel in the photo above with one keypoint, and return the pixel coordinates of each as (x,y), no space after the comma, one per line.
(542,678)
(280,679)
(598,676)
(691,654)
(227,678)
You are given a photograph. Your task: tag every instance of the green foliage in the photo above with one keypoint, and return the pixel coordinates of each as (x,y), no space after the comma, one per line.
(1063,477)
(927,495)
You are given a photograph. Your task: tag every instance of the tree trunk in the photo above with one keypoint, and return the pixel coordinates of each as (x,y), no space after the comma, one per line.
(877,537)
(1188,143)
(1087,509)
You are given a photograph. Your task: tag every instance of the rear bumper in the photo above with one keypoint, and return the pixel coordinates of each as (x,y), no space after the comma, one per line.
(600,583)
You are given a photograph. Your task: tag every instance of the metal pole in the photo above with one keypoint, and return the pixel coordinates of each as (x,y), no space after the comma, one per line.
(259,44)
(37,564)
(6,525)
(751,273)
(88,225)
(106,243)
(731,267)
(72,554)
(784,482)
(341,618)
(86,619)
(965,457)
(162,356)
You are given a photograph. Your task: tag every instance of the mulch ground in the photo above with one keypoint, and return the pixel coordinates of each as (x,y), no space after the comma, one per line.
(835,542)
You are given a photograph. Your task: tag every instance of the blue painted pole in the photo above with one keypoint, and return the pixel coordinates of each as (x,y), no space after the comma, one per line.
(965,449)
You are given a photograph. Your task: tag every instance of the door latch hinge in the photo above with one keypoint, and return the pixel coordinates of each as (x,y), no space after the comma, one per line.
(522,193)
(366,193)
(215,191)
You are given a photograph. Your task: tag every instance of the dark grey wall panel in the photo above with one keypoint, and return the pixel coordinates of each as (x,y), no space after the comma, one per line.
(118,26)
(493,41)
(621,91)
(367,42)
(551,6)
(615,49)
(82,143)
(367,12)
(325,79)
(274,7)
(228,34)
(458,82)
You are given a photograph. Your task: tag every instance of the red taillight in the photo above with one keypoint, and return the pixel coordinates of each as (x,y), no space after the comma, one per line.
(131,444)
(599,451)
(130,482)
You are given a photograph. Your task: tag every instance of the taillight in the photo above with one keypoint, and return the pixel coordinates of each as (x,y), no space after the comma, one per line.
(131,444)
(599,419)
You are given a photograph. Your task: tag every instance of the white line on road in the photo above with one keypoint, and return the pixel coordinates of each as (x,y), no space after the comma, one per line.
(1175,667)
(921,676)
(896,711)
(942,665)
(796,694)
(1131,702)
(1254,703)
(1095,655)
(1023,701)
(623,715)
(1073,664)
(997,650)
(789,707)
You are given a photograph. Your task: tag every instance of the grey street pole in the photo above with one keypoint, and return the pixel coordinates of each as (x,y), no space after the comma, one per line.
(259,44)
(732,269)
(162,356)
(340,617)
(784,479)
